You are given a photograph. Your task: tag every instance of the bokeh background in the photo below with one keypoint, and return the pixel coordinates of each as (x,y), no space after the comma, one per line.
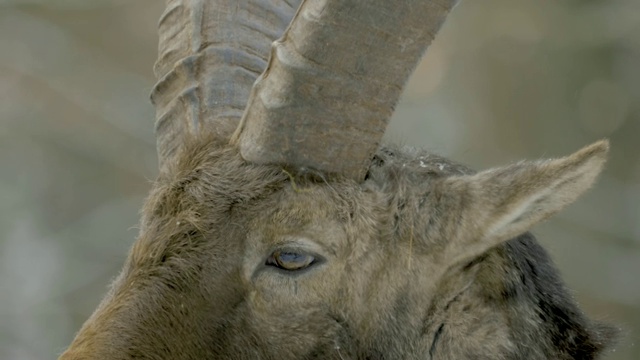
(505,80)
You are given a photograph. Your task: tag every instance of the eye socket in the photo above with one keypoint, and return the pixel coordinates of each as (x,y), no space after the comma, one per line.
(290,260)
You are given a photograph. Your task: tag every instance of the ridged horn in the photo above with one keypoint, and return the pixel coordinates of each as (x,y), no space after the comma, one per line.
(210,53)
(333,80)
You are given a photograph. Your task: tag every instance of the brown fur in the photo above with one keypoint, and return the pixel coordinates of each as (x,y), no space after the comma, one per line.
(417,264)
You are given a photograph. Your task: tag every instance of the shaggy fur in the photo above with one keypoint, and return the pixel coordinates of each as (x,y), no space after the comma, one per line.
(424,260)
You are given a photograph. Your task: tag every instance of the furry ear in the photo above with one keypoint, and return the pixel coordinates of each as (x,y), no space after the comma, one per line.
(500,204)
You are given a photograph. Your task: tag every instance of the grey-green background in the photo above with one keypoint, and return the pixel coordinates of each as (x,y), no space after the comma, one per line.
(505,80)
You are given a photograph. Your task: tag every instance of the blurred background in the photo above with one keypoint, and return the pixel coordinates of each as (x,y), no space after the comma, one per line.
(505,80)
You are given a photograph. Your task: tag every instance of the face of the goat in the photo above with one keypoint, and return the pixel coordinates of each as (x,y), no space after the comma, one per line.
(238,261)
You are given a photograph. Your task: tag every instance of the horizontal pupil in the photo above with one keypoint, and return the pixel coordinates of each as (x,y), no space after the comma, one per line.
(289,257)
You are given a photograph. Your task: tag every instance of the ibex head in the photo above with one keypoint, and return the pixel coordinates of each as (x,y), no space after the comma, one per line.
(299,238)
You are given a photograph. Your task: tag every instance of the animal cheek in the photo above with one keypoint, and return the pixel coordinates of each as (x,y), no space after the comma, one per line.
(271,291)
(257,301)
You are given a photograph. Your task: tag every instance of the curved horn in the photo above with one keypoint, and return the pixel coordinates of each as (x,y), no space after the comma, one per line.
(210,53)
(332,82)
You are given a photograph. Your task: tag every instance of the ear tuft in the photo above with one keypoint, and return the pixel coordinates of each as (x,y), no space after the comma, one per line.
(578,171)
(598,147)
(592,156)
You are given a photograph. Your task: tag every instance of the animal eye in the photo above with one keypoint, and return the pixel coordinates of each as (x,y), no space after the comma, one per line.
(290,260)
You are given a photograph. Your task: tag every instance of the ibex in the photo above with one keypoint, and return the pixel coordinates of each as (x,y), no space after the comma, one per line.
(279,228)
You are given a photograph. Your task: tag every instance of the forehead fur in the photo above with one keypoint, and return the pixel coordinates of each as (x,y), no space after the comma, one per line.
(211,178)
